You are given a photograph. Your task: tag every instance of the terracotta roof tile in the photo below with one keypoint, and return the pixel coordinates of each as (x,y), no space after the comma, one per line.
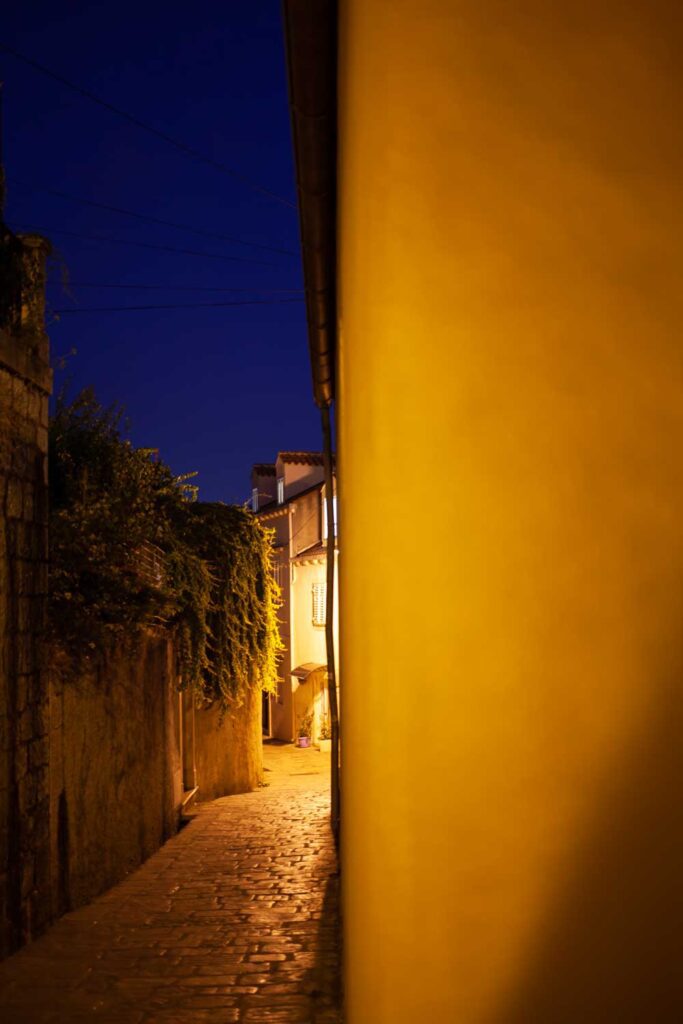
(302,458)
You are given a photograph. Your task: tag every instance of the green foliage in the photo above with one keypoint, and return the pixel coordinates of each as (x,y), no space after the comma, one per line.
(131,550)
(242,637)
(107,500)
(305,724)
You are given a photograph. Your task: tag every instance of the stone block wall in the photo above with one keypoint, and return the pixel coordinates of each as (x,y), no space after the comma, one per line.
(228,749)
(115,773)
(91,769)
(121,740)
(25,383)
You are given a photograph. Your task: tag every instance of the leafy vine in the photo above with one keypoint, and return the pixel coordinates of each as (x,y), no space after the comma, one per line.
(131,550)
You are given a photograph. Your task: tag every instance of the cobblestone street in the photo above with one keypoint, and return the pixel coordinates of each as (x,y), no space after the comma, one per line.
(234,919)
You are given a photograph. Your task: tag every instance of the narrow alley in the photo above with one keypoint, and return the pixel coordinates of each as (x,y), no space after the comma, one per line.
(234,919)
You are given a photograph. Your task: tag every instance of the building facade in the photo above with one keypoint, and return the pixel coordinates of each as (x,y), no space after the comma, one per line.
(499,275)
(289,497)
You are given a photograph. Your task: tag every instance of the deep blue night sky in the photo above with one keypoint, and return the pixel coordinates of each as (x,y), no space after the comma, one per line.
(214,389)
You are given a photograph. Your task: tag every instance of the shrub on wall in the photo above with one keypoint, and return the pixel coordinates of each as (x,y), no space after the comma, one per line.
(243,639)
(131,550)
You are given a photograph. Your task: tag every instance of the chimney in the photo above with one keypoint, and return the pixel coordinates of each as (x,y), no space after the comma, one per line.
(263,484)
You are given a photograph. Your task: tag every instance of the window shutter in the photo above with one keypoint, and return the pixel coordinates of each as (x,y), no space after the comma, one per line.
(319,601)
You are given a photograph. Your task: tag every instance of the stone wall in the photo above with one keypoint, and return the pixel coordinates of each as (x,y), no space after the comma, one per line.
(25,382)
(228,749)
(91,770)
(115,772)
(117,761)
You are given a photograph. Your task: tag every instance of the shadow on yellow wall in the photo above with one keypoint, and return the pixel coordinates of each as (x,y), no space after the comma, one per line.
(609,948)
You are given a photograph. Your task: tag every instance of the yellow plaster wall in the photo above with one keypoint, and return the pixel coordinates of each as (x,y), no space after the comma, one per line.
(308,643)
(511,438)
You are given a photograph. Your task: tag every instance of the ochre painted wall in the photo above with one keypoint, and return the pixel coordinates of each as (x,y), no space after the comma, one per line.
(511,438)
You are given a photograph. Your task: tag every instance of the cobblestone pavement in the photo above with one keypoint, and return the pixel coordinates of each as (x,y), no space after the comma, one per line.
(234,919)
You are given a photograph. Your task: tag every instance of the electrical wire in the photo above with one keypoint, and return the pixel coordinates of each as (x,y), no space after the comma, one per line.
(149,219)
(189,305)
(185,288)
(176,143)
(300,528)
(305,523)
(146,245)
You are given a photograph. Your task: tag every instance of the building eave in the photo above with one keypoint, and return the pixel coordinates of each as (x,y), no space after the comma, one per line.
(273,511)
(276,513)
(310,28)
(301,458)
(315,555)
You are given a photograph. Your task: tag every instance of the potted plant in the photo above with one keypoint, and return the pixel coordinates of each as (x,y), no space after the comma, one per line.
(325,734)
(304,731)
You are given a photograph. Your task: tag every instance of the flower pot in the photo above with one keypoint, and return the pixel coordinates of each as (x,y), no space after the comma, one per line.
(303,741)
(325,746)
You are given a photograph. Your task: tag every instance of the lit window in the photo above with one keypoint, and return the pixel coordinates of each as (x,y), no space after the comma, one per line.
(281,490)
(319,600)
(254,499)
(334,508)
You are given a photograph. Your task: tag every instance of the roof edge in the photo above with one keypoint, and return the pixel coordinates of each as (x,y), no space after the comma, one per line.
(311,48)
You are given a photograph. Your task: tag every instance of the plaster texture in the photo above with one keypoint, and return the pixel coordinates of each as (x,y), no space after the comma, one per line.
(510,437)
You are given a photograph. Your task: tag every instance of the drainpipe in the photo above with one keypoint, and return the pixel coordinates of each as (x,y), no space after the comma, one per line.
(291,569)
(181,744)
(311,46)
(194,747)
(329,617)
(310,28)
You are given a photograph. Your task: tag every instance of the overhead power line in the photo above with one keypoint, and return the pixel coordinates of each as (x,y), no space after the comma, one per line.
(149,219)
(176,143)
(190,305)
(185,288)
(147,245)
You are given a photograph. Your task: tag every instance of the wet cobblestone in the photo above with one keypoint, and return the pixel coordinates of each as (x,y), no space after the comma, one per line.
(234,920)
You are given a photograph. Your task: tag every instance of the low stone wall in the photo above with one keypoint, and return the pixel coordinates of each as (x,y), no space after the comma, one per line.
(228,749)
(124,745)
(91,773)
(115,773)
